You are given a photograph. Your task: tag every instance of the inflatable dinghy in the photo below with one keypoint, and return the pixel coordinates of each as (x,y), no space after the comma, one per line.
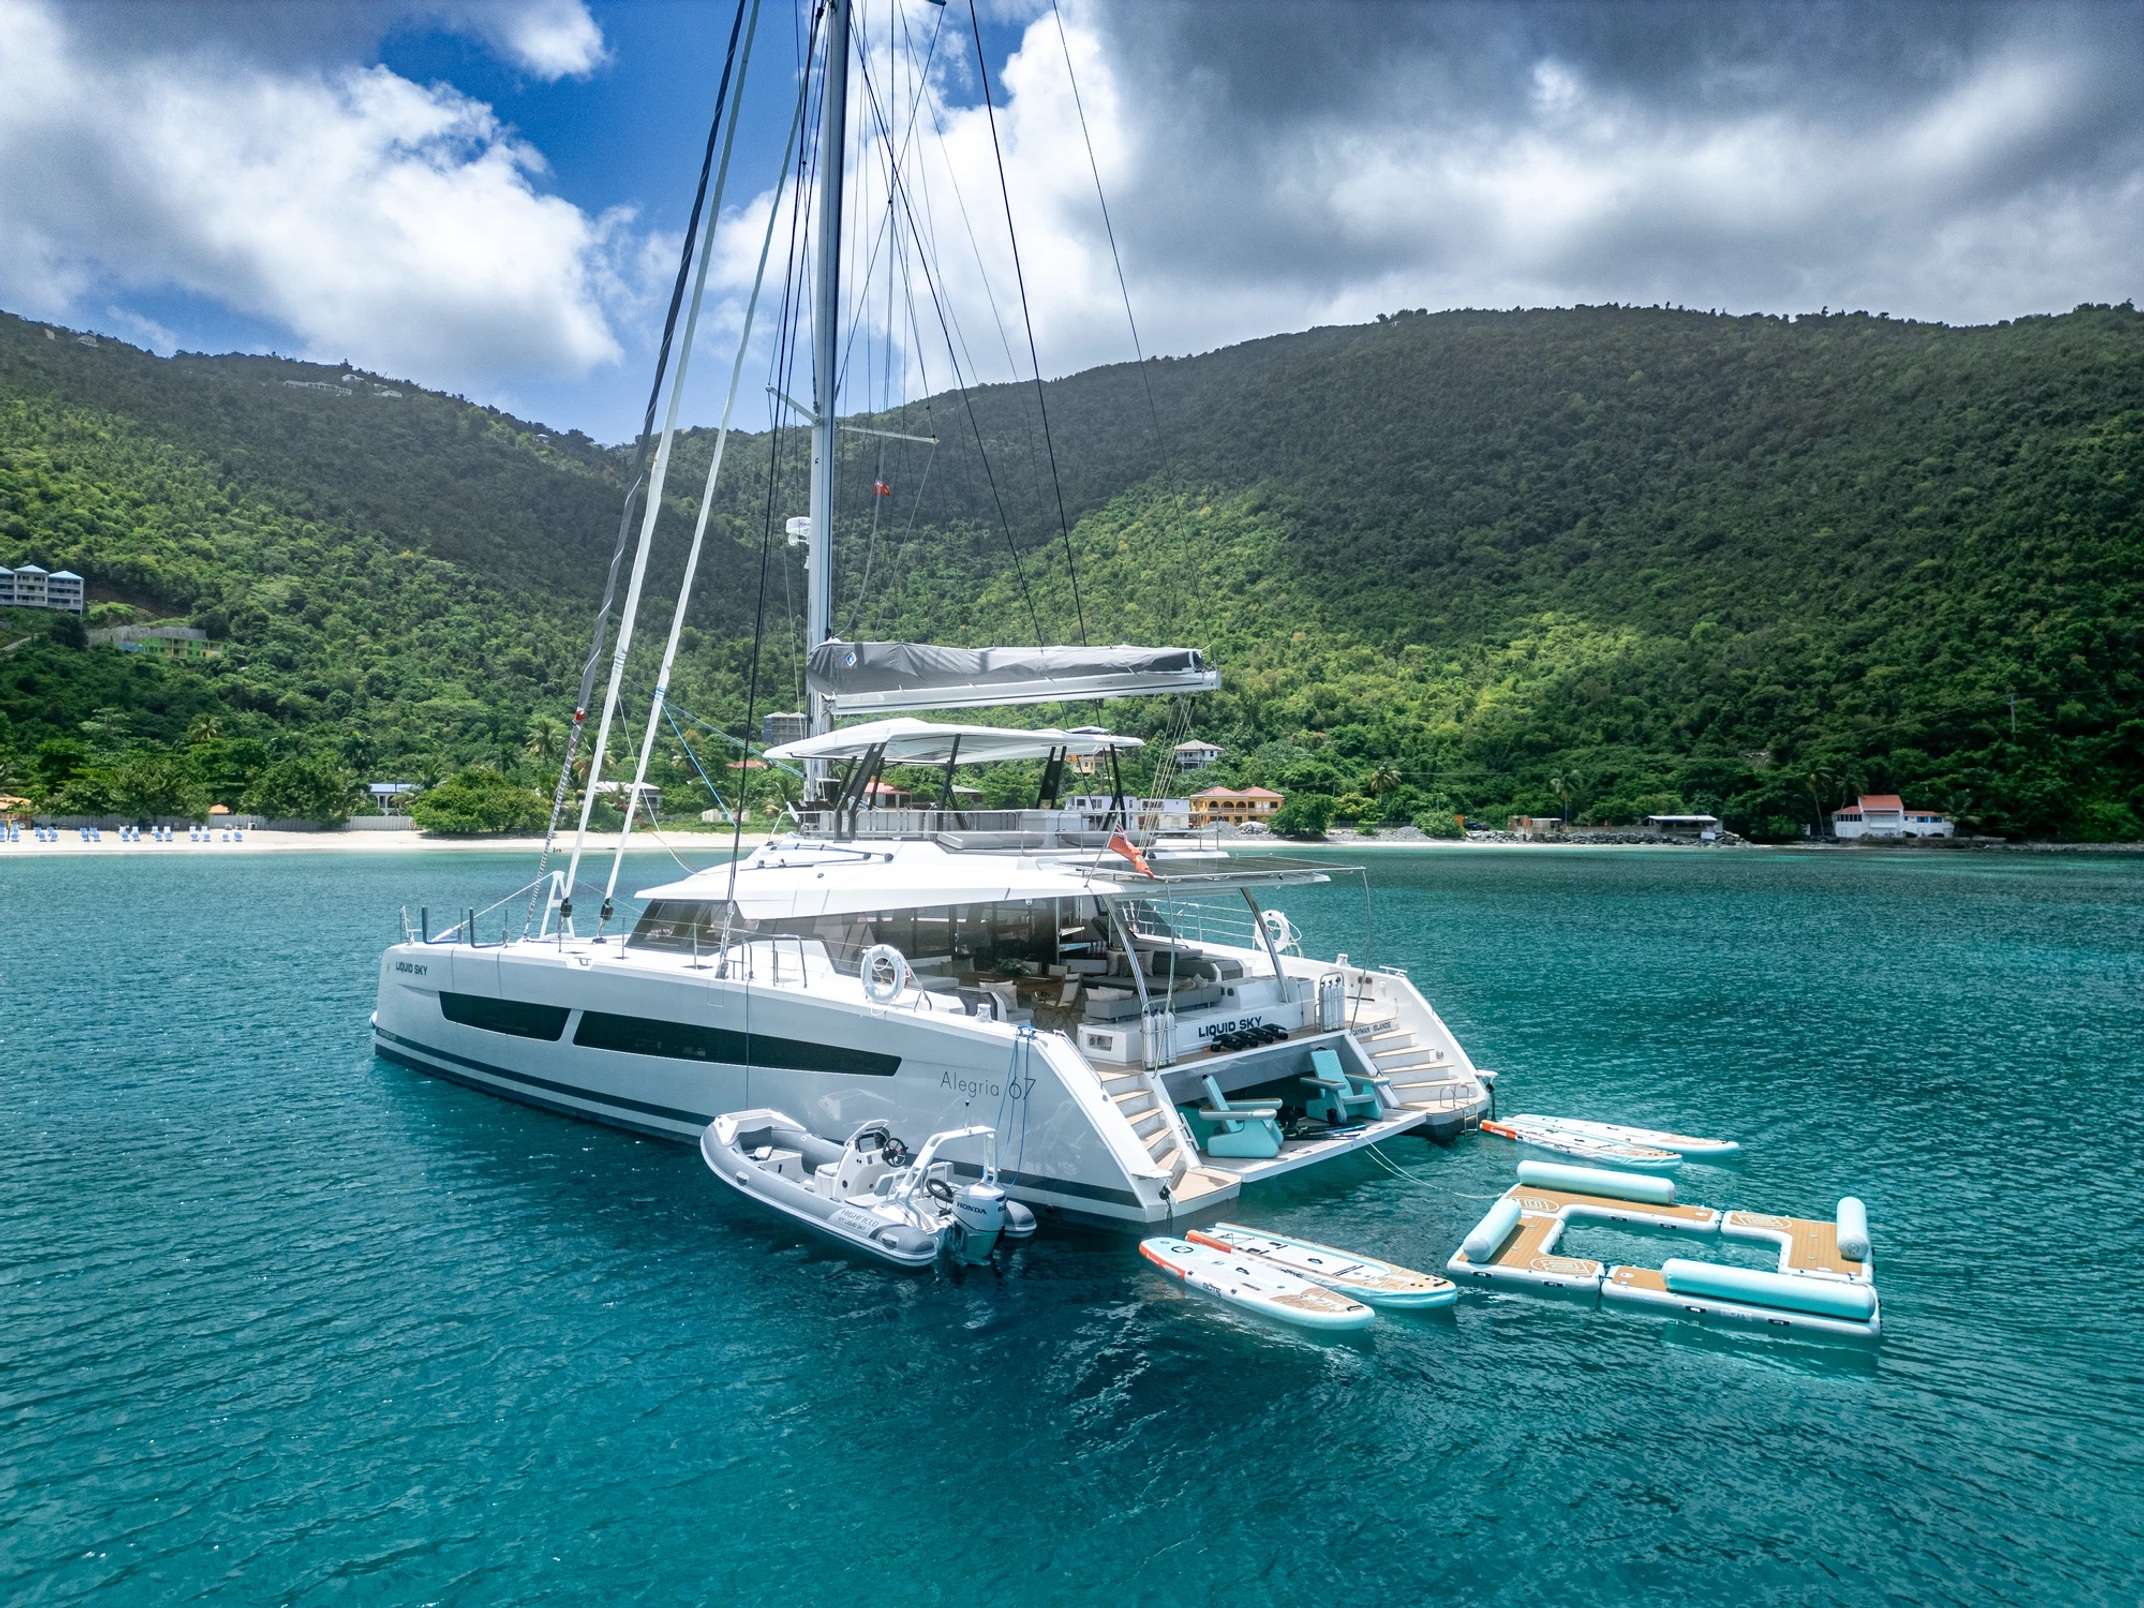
(1615,1153)
(1360,1278)
(870,1194)
(1683,1144)
(1253,1283)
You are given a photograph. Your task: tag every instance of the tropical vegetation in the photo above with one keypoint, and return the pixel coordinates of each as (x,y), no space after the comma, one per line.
(1599,562)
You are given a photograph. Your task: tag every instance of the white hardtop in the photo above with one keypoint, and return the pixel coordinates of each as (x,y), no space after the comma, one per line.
(923,742)
(810,877)
(798,876)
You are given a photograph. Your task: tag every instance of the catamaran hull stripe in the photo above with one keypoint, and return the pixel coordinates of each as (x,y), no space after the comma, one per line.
(575,1091)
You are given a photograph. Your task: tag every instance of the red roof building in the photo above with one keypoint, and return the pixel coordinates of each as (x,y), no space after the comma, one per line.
(1886,815)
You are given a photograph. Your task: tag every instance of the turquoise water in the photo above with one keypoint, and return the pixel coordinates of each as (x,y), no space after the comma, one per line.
(282,1322)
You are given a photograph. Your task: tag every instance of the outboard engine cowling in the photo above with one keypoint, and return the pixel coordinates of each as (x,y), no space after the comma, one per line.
(978,1219)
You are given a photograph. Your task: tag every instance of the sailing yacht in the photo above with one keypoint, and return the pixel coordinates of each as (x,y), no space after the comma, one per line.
(1126,1006)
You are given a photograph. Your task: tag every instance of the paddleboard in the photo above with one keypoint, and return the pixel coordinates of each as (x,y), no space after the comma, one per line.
(1362,1278)
(1601,1152)
(1250,1283)
(1682,1144)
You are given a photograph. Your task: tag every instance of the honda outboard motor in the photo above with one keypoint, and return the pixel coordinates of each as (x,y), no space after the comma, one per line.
(978,1219)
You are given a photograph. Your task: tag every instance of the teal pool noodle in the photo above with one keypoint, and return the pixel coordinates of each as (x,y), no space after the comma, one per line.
(1598,1181)
(1831,1298)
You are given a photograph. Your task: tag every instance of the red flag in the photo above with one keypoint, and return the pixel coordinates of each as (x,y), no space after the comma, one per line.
(883,488)
(1120,844)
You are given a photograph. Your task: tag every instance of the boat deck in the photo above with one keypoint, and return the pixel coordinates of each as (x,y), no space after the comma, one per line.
(1296,1153)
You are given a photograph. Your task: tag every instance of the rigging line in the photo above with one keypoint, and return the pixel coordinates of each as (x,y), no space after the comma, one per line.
(722,438)
(967,399)
(634,486)
(913,348)
(799,269)
(632,797)
(705,724)
(863,585)
(931,248)
(1012,365)
(897,159)
(982,68)
(651,506)
(1109,229)
(698,769)
(786,336)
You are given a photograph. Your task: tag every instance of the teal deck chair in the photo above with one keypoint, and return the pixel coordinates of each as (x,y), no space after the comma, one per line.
(1339,1099)
(1248,1129)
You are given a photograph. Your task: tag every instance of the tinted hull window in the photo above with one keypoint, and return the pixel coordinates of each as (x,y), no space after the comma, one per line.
(685,1041)
(517,1017)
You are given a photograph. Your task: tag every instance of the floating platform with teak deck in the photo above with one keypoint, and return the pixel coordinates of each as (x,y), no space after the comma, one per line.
(1824,1282)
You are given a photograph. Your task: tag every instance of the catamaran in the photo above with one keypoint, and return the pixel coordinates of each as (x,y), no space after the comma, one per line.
(1123,1004)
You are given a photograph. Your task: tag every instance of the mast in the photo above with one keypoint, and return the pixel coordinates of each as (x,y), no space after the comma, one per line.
(826,352)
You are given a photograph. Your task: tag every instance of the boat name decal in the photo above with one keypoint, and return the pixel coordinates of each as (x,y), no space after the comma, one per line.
(978,1088)
(1215,1029)
(415,968)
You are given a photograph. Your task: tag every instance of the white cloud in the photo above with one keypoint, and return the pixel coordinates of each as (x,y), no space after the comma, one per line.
(550,38)
(1271,167)
(146,331)
(396,224)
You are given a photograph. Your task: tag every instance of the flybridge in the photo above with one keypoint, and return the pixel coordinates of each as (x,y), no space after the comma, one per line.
(856,678)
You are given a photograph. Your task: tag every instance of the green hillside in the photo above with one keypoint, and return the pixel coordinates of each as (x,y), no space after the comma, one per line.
(1620,559)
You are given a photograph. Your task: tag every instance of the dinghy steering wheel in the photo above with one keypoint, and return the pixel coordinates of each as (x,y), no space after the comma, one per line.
(885,973)
(939,1190)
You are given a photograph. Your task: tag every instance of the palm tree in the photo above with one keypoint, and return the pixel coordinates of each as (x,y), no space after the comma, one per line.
(543,740)
(1382,781)
(205,729)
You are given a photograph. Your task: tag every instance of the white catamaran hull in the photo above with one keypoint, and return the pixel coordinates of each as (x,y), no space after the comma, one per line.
(536,1020)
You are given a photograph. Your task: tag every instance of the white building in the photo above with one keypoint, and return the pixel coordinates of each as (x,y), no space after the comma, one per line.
(1196,755)
(393,797)
(32,587)
(1886,815)
(1148,814)
(1705,828)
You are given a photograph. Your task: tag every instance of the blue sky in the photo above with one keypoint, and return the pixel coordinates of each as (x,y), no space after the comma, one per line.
(485,195)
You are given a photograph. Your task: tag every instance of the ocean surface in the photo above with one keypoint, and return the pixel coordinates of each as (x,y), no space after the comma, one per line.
(281,1322)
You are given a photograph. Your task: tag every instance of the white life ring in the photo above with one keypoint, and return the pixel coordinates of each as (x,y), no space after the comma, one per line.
(1282,931)
(885,973)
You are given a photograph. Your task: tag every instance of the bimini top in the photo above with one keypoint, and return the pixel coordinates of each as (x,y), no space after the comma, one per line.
(923,742)
(866,677)
(795,877)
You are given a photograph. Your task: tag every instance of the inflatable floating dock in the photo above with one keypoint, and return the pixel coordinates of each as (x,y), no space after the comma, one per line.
(1824,1284)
